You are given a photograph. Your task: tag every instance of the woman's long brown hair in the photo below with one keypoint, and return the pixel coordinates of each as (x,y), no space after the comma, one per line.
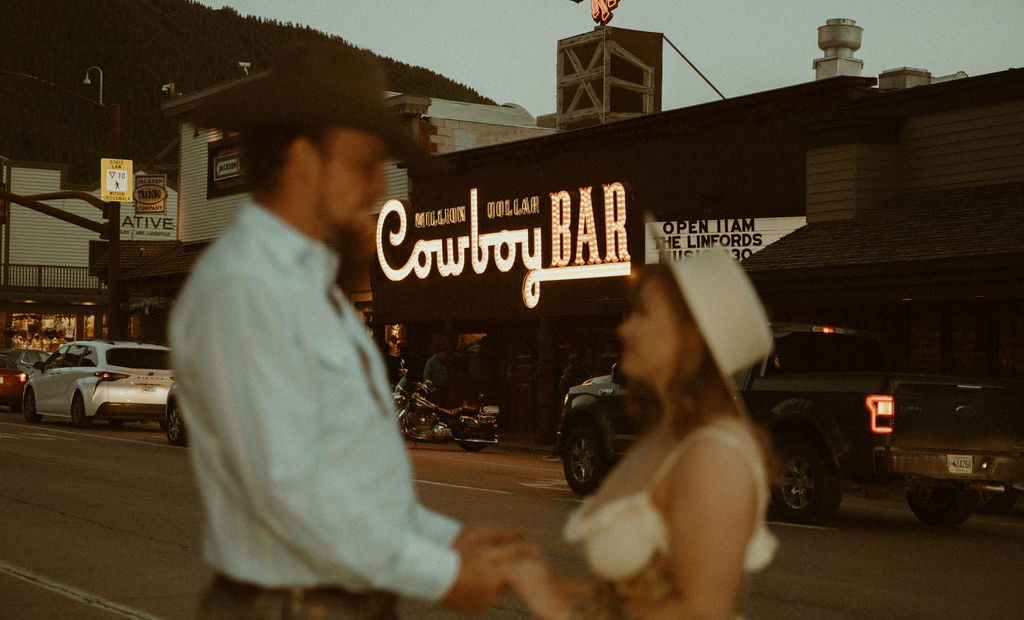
(692,394)
(688,391)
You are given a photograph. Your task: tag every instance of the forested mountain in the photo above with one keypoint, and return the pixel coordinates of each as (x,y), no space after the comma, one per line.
(140,45)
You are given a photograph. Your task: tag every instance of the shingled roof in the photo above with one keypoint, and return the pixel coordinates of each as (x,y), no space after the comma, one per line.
(956,239)
(958,223)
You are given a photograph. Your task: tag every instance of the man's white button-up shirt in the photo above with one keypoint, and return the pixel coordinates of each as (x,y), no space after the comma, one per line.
(304,476)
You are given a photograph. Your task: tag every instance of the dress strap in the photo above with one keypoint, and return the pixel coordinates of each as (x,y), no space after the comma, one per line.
(730,438)
(762,545)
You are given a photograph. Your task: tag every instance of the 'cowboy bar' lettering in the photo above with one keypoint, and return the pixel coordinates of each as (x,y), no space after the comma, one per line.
(507,245)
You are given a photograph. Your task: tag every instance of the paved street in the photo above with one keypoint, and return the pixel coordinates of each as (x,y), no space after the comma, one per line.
(104,523)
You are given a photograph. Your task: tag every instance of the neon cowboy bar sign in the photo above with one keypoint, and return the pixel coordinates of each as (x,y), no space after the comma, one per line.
(574,252)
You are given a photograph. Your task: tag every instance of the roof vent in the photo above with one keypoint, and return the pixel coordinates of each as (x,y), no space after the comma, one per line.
(839,39)
(904,77)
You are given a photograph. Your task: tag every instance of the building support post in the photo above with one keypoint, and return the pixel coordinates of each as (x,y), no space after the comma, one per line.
(547,383)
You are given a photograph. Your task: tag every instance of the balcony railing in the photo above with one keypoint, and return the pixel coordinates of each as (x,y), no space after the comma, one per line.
(49,278)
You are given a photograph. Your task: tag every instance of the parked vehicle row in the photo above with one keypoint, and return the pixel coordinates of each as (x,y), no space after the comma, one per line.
(119,381)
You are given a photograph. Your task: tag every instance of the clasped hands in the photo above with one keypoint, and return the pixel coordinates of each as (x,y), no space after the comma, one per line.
(491,560)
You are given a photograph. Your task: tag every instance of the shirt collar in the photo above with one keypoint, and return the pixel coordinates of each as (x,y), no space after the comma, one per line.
(287,244)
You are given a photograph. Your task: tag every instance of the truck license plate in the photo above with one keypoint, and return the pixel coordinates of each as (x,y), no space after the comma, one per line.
(960,464)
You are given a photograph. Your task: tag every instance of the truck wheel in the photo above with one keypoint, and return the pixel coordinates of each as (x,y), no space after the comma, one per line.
(809,491)
(942,506)
(583,460)
(996,503)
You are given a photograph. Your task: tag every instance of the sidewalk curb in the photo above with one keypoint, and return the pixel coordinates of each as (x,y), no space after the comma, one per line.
(527,444)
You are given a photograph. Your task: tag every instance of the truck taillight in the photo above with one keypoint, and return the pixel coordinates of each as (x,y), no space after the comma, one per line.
(882,408)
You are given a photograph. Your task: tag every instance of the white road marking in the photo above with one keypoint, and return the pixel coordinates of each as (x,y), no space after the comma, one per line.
(547,483)
(47,437)
(459,486)
(74,593)
(77,435)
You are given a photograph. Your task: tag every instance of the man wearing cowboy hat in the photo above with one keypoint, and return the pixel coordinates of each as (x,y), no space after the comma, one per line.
(307,487)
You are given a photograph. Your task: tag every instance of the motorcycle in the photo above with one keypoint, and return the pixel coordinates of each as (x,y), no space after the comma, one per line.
(472,427)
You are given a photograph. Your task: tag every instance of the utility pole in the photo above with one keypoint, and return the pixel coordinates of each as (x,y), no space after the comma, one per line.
(115,322)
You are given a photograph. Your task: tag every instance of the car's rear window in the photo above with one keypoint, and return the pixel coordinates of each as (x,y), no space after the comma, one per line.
(139,358)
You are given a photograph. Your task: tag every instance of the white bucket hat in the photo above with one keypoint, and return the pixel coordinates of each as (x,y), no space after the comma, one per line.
(726,309)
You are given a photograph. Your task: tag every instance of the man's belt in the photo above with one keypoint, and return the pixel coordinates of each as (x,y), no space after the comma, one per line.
(369,604)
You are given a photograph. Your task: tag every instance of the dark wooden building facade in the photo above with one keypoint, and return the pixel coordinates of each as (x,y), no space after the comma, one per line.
(913,201)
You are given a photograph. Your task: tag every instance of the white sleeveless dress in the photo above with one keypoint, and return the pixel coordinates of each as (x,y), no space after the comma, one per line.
(622,537)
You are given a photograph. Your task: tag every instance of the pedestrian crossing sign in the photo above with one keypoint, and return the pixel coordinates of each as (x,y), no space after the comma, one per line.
(116,182)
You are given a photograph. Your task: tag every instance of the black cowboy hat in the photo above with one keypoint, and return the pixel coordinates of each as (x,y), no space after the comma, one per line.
(312,86)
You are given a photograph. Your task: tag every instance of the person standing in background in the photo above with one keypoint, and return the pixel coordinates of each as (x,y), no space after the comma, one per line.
(573,375)
(435,370)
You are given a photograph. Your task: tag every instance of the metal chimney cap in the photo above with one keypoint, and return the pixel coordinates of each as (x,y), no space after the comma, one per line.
(840,33)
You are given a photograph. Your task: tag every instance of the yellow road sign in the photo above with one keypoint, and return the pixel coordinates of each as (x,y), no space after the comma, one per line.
(116,181)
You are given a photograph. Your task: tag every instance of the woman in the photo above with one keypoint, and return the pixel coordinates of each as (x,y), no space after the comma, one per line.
(677,522)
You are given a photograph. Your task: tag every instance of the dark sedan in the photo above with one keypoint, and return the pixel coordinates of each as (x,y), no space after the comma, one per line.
(12,383)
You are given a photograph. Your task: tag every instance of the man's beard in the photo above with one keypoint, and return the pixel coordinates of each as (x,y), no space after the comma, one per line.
(354,243)
(355,239)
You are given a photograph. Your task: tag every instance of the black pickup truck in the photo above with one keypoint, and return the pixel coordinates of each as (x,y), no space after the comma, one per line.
(840,421)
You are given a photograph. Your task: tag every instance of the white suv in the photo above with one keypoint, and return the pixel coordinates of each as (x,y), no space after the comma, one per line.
(100,379)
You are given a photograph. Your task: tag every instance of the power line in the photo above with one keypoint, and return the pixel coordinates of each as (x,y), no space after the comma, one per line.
(693,66)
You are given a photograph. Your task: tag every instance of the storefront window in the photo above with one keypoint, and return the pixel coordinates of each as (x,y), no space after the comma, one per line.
(46,332)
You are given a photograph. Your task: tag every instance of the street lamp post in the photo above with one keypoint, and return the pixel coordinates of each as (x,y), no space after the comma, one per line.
(88,81)
(112,213)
